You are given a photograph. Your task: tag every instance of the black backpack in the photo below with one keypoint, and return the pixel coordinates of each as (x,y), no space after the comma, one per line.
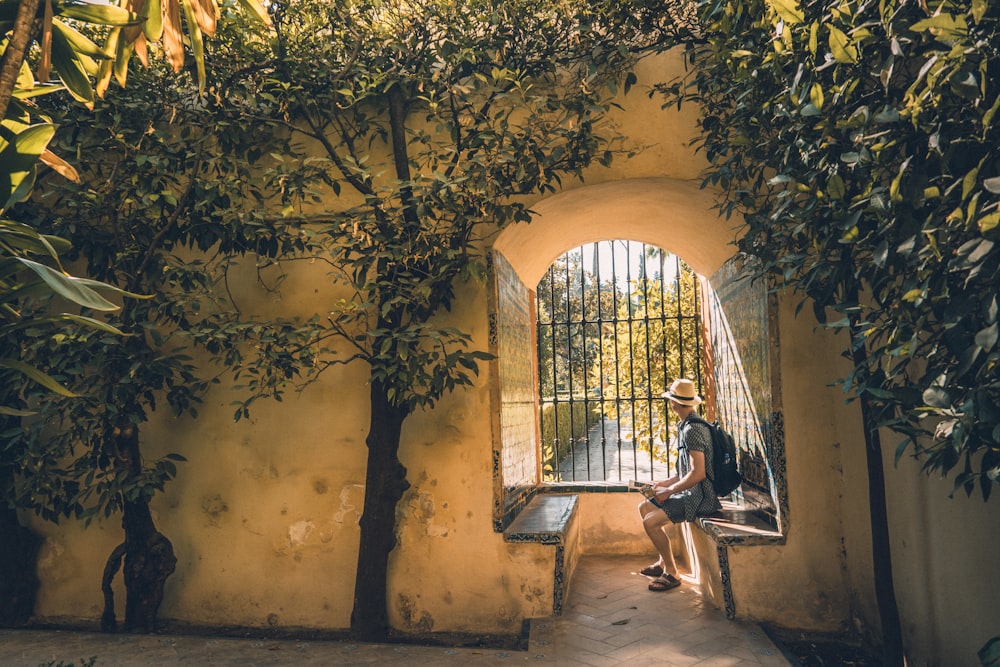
(723,474)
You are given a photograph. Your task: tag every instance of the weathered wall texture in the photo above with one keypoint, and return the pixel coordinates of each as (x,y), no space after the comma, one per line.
(264,515)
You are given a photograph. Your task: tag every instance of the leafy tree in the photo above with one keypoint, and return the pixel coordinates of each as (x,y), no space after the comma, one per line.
(171,197)
(62,49)
(432,118)
(859,143)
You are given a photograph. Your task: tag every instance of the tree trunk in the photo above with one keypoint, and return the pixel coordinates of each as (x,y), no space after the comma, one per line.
(885,594)
(385,483)
(13,55)
(18,580)
(149,555)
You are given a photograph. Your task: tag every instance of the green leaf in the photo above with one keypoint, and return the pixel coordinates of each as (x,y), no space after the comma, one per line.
(197,42)
(18,160)
(816,96)
(943,26)
(92,323)
(37,90)
(38,376)
(256,10)
(79,42)
(964,84)
(987,338)
(989,222)
(937,397)
(71,68)
(152,28)
(94,11)
(74,289)
(788,10)
(979,8)
(835,187)
(14,412)
(841,47)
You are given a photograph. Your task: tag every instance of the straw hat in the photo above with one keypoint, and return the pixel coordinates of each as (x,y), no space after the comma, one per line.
(683,391)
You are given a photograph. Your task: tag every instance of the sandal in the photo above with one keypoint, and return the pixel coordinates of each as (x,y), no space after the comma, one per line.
(654,570)
(664,583)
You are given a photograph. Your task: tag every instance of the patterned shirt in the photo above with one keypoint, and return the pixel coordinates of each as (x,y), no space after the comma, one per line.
(699,500)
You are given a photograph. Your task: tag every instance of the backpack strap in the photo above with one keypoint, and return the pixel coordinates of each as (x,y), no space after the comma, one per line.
(695,418)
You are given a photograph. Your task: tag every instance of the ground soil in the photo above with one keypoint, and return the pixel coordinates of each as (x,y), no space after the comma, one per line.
(823,650)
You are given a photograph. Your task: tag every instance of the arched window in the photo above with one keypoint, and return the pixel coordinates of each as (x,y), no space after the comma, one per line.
(585,356)
(617,321)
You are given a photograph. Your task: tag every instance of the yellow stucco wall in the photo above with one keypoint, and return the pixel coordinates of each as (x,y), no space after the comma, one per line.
(801,584)
(946,552)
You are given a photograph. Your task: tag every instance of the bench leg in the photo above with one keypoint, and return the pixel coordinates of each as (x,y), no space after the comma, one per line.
(559,587)
(727,583)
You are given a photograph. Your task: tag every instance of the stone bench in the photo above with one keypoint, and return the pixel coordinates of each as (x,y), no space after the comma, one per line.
(735,526)
(550,519)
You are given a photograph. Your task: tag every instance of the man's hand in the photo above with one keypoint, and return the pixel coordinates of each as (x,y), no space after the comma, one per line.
(661,493)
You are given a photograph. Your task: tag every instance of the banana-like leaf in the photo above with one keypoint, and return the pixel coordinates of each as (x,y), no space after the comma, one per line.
(256,9)
(14,412)
(139,47)
(18,159)
(19,116)
(173,43)
(72,70)
(204,14)
(63,318)
(153,27)
(38,89)
(121,61)
(80,42)
(197,43)
(98,285)
(38,376)
(103,79)
(74,289)
(89,322)
(23,289)
(130,33)
(25,77)
(59,165)
(84,49)
(18,238)
(39,289)
(94,11)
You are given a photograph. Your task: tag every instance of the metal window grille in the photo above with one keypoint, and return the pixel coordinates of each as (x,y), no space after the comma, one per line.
(617,321)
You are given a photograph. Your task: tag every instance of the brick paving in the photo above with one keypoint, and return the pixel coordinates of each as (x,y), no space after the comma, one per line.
(609,619)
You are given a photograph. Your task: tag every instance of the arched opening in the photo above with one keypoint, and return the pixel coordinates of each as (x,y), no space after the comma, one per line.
(617,321)
(738,349)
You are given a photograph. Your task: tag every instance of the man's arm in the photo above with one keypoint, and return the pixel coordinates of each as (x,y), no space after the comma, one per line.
(694,476)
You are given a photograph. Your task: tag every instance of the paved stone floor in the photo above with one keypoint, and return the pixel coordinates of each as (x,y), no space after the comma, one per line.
(610,618)
(607,454)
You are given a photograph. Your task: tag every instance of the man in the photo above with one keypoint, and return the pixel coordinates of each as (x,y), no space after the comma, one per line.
(685,496)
